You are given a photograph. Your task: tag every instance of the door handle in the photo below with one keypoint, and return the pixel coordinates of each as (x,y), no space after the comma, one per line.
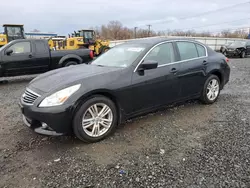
(173,70)
(30,56)
(205,62)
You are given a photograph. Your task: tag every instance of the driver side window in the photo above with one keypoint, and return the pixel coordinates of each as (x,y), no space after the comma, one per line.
(21,47)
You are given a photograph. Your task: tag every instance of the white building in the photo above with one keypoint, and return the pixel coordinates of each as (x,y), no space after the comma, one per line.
(40,35)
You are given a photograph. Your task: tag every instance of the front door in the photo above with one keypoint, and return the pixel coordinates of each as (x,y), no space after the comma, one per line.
(19,61)
(194,61)
(248,48)
(158,86)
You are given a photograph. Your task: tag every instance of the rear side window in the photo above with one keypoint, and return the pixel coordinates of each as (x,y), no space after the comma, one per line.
(201,50)
(163,54)
(40,47)
(187,50)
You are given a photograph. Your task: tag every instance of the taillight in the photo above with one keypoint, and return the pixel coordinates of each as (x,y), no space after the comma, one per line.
(227,60)
(91,54)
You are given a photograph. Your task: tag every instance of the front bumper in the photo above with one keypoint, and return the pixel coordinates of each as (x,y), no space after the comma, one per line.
(233,53)
(53,121)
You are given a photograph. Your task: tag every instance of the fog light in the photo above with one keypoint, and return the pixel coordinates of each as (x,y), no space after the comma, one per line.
(44,125)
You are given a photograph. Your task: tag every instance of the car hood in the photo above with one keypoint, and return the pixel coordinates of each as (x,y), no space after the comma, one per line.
(63,76)
(235,47)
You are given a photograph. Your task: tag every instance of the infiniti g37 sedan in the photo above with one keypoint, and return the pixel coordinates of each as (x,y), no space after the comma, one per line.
(131,79)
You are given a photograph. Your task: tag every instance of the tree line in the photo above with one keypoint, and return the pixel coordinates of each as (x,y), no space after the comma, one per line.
(115,30)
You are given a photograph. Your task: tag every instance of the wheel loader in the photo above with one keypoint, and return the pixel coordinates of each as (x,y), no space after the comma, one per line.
(11,32)
(87,39)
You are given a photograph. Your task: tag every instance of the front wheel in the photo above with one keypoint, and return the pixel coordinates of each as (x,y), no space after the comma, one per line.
(211,90)
(104,49)
(96,119)
(243,54)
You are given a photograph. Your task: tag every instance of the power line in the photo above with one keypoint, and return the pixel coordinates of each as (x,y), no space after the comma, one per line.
(205,13)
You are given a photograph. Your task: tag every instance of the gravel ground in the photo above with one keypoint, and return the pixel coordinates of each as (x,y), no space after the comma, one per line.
(189,145)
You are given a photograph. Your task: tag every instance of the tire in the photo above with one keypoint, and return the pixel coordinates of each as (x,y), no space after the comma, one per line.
(224,53)
(243,54)
(204,95)
(86,134)
(70,63)
(104,49)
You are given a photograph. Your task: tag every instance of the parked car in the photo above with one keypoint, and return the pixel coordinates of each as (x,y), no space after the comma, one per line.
(237,48)
(31,56)
(224,47)
(130,79)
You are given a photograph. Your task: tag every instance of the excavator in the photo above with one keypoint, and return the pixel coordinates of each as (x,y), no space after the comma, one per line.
(11,32)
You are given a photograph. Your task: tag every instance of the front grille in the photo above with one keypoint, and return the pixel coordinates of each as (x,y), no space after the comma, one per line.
(29,97)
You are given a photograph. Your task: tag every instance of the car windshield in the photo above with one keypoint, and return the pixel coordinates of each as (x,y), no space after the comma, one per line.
(120,56)
(237,43)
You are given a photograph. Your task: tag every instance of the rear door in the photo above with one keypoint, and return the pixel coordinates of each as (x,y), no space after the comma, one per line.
(20,61)
(42,57)
(193,58)
(158,86)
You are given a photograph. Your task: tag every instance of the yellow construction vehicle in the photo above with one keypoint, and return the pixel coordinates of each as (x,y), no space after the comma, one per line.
(11,32)
(87,39)
(57,43)
(81,39)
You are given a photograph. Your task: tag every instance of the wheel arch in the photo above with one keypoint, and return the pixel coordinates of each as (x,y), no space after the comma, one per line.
(101,92)
(70,57)
(218,73)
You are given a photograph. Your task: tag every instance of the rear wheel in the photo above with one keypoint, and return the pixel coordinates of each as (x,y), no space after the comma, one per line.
(95,119)
(211,90)
(70,63)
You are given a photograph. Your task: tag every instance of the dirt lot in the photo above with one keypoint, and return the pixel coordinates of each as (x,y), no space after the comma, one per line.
(189,145)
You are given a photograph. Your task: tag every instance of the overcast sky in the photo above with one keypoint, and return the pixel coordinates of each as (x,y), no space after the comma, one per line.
(64,16)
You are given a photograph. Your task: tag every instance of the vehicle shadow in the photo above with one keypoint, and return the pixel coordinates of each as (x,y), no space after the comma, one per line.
(236,57)
(16,80)
(135,135)
(133,123)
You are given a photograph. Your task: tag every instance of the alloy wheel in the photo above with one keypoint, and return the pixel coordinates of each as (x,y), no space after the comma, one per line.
(213,89)
(97,120)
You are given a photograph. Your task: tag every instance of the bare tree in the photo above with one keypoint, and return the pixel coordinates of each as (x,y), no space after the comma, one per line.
(115,30)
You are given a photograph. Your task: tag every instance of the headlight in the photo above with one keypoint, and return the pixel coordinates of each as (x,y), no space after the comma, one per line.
(59,97)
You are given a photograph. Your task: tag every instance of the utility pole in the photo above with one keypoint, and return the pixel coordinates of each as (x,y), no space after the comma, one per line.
(149,26)
(135,32)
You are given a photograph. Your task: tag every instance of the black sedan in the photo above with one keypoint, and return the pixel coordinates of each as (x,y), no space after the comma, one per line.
(236,49)
(131,79)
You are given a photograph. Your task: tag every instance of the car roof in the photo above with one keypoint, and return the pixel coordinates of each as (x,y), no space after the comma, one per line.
(156,40)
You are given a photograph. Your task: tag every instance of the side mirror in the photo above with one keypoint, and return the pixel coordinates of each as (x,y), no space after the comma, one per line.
(9,51)
(148,64)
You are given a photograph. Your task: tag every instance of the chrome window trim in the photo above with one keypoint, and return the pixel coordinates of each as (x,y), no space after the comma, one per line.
(163,65)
